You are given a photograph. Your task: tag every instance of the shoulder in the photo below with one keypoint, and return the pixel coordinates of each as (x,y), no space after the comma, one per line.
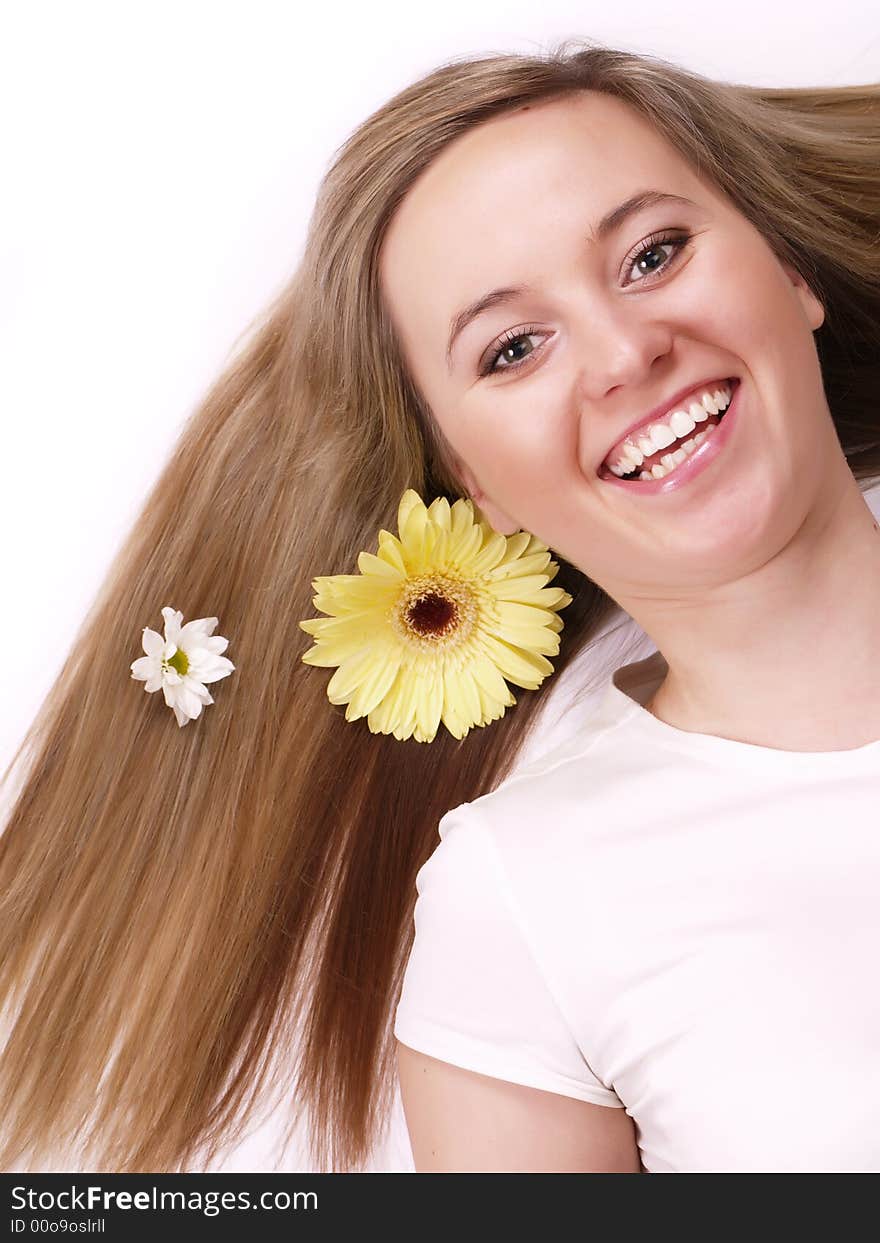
(568,774)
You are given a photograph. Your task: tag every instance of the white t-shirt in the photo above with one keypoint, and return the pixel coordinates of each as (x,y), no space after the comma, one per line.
(673,923)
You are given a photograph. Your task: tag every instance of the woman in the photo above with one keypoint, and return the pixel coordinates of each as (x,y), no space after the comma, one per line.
(190,915)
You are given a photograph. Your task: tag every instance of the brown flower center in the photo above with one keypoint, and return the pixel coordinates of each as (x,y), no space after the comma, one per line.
(435,610)
(431,614)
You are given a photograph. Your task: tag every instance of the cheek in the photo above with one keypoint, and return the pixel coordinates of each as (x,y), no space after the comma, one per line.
(724,299)
(522,434)
(764,323)
(753,308)
(528,466)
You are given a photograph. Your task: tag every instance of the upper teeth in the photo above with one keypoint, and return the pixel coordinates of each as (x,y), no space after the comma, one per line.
(659,435)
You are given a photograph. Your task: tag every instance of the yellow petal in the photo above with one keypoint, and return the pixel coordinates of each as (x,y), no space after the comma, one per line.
(329,656)
(333,582)
(369,564)
(524,668)
(429,702)
(332,647)
(440,513)
(517,544)
(439,553)
(464,546)
(369,593)
(514,613)
(350,674)
(552,597)
(408,502)
(332,628)
(529,587)
(410,690)
(395,711)
(454,723)
(535,545)
(374,687)
(340,638)
(312,625)
(380,717)
(412,536)
(488,557)
(430,536)
(462,698)
(461,517)
(390,550)
(492,709)
(534,563)
(489,681)
(544,641)
(319,656)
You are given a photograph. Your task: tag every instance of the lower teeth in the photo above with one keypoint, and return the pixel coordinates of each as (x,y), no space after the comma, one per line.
(638,473)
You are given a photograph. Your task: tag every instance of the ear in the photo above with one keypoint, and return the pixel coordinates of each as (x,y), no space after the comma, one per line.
(496,517)
(813,308)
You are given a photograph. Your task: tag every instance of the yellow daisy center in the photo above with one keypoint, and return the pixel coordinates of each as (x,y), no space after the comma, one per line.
(179,662)
(435,611)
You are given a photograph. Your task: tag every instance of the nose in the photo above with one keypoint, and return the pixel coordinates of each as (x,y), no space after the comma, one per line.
(623,362)
(620,352)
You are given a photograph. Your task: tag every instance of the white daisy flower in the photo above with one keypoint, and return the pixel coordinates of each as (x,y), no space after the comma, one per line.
(182,662)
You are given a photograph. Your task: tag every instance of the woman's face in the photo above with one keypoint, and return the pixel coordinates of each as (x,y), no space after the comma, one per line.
(601,340)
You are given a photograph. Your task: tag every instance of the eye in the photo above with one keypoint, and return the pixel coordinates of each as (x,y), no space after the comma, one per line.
(651,245)
(505,343)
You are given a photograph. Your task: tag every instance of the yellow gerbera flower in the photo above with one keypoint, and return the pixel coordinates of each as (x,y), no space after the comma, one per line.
(435,622)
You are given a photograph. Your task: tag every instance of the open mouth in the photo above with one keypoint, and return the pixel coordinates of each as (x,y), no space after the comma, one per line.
(661,455)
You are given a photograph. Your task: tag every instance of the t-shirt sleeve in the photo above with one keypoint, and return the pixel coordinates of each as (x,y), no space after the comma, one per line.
(472,993)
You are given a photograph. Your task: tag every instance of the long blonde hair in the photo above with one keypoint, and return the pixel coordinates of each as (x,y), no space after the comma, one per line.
(177,904)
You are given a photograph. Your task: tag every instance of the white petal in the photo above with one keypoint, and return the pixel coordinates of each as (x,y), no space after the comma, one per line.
(144,667)
(153,642)
(197,689)
(172,677)
(201,628)
(215,644)
(208,668)
(155,683)
(182,718)
(188,701)
(173,620)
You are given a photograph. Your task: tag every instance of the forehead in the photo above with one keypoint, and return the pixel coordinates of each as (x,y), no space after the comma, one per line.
(491,207)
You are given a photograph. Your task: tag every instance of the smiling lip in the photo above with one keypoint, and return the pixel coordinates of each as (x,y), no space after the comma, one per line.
(704,454)
(658,412)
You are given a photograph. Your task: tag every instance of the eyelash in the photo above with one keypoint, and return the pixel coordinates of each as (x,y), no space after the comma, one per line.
(678,241)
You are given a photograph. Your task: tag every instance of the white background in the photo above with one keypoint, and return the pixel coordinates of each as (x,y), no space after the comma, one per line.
(159,165)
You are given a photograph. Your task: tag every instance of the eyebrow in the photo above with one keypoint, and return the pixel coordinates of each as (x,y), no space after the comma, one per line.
(606,226)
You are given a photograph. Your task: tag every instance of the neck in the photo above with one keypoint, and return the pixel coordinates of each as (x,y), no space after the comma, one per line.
(789,655)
